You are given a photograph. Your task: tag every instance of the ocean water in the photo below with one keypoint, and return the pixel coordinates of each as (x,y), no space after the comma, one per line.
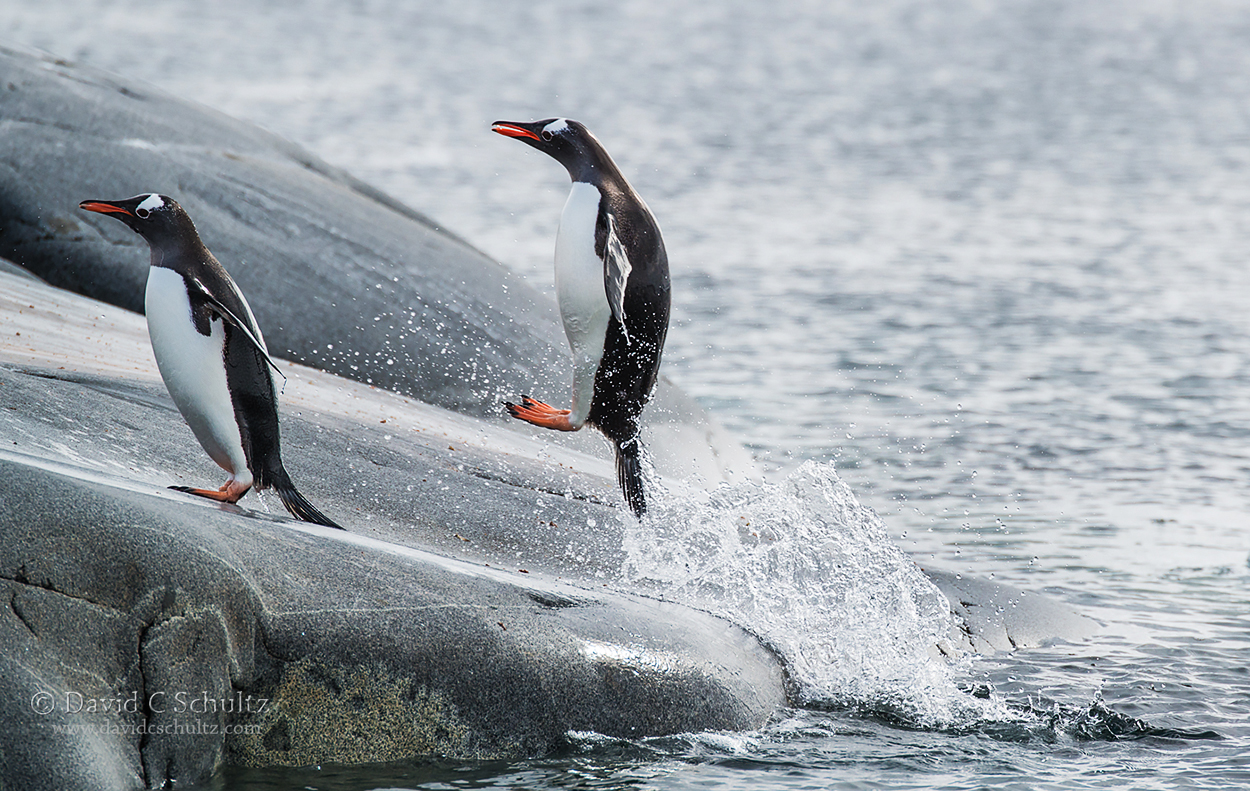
(981,266)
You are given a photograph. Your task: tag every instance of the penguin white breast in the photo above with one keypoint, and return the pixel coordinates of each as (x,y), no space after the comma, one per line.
(580,291)
(193,367)
(579,272)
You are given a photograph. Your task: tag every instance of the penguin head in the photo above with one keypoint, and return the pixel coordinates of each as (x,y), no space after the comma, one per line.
(567,141)
(157,218)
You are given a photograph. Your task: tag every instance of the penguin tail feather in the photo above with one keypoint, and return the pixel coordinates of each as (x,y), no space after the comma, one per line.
(629,474)
(295,502)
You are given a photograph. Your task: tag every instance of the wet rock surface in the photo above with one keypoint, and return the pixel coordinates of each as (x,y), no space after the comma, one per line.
(990,616)
(158,637)
(438,625)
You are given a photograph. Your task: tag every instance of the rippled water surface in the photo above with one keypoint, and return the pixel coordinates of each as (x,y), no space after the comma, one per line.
(987,258)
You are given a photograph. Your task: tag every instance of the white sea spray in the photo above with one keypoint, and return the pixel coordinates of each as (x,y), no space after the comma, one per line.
(812,572)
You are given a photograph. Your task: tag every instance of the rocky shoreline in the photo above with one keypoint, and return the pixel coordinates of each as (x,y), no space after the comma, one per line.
(461,614)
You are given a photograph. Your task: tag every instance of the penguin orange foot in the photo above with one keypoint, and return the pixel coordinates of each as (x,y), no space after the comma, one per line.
(540,414)
(230,492)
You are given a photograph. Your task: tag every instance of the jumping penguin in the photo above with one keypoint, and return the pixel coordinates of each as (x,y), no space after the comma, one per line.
(612,284)
(210,353)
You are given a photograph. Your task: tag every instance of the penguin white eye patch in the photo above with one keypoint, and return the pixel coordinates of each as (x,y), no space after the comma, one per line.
(555,127)
(150,204)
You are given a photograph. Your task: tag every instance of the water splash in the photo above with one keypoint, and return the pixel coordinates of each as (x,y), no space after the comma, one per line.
(816,576)
(1053,721)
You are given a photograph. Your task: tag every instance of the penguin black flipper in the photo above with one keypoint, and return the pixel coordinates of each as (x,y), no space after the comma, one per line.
(228,315)
(616,266)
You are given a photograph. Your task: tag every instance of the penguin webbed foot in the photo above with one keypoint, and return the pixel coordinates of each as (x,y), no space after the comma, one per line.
(228,493)
(539,414)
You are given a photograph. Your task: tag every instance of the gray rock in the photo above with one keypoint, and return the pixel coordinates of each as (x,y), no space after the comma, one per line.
(10,268)
(990,616)
(199,637)
(366,646)
(52,644)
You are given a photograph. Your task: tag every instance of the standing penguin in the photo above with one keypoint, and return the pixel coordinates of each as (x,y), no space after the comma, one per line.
(613,288)
(210,353)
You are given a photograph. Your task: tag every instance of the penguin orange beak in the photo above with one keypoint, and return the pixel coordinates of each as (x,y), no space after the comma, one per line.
(104,207)
(513,130)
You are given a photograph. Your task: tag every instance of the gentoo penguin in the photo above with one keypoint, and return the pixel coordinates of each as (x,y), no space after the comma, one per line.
(613,288)
(210,353)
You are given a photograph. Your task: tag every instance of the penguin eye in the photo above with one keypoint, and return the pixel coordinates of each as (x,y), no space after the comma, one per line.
(142,213)
(547,135)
